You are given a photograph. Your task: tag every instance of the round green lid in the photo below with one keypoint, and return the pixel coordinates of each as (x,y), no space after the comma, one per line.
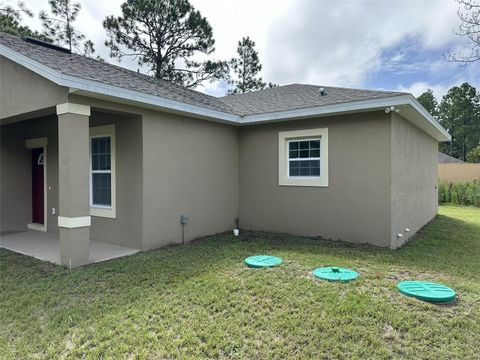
(333,273)
(259,261)
(427,291)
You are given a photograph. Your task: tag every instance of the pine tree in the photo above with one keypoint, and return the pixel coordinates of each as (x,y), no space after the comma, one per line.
(460,115)
(429,102)
(10,21)
(59,27)
(473,156)
(246,68)
(165,35)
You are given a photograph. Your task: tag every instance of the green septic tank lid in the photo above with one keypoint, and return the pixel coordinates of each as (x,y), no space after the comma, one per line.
(333,273)
(260,261)
(427,291)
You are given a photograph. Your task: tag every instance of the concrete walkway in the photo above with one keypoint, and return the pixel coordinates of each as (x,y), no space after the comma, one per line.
(45,246)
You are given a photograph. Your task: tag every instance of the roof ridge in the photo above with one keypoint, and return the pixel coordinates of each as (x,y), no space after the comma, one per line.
(256,91)
(358,89)
(311,85)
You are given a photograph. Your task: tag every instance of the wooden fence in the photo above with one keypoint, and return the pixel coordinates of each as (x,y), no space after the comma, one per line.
(458,172)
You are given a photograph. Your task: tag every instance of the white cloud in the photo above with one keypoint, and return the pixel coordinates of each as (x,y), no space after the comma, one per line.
(419,88)
(217,88)
(341,42)
(331,42)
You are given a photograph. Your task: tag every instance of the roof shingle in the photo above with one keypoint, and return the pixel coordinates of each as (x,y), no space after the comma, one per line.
(91,69)
(297,96)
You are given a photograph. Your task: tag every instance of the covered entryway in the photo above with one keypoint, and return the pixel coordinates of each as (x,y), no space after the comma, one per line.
(45,179)
(47,174)
(45,189)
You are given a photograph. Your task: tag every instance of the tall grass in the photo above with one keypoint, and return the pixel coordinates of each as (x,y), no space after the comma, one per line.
(459,194)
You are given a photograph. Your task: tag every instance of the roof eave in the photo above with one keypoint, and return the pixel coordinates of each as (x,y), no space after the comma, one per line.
(91,87)
(409,108)
(443,134)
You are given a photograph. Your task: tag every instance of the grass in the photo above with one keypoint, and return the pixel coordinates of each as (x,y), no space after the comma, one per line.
(200,301)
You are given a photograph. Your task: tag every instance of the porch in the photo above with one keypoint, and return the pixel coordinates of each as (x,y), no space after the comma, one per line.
(46,246)
(58,177)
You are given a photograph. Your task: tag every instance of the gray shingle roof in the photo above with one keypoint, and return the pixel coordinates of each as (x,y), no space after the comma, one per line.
(91,69)
(447,159)
(289,97)
(297,96)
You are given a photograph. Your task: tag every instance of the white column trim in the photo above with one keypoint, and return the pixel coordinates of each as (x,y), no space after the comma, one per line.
(71,108)
(74,222)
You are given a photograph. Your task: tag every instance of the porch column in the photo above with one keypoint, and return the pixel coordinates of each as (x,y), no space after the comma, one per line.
(73,184)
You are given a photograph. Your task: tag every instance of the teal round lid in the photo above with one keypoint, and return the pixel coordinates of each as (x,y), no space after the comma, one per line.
(333,273)
(427,291)
(260,261)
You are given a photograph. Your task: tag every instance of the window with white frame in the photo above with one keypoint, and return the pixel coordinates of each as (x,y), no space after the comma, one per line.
(102,171)
(303,157)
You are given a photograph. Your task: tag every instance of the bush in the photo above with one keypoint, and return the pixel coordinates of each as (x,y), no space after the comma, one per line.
(459,194)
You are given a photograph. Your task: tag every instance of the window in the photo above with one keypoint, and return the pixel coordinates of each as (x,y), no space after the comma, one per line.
(102,171)
(303,157)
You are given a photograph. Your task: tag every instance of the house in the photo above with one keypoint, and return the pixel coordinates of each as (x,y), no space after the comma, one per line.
(447,159)
(92,151)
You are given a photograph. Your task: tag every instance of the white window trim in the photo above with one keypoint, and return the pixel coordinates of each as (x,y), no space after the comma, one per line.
(98,210)
(302,159)
(283,159)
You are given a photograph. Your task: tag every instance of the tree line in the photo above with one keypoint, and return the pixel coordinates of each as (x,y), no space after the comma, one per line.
(459,113)
(165,36)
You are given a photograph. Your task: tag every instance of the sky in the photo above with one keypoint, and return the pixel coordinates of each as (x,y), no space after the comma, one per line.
(374,44)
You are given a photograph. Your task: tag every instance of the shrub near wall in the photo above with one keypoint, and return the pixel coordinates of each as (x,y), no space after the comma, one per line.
(459,194)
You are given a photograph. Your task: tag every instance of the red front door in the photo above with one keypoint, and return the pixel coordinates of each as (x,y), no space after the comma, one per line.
(37,186)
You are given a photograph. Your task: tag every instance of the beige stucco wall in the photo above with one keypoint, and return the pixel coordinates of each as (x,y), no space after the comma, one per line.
(382,172)
(355,207)
(190,167)
(414,179)
(23,91)
(126,228)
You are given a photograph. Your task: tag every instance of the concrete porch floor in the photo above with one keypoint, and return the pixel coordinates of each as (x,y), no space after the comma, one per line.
(45,246)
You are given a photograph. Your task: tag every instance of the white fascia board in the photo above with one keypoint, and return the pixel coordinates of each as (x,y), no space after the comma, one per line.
(350,107)
(31,64)
(438,132)
(77,83)
(139,97)
(419,107)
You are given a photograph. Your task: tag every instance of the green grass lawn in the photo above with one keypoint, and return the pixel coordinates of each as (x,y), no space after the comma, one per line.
(200,301)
